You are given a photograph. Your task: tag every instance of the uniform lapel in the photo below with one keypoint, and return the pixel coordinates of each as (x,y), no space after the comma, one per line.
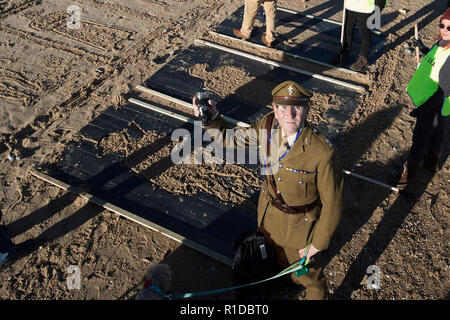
(301,144)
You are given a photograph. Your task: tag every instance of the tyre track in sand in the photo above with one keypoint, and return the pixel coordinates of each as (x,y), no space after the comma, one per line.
(42,125)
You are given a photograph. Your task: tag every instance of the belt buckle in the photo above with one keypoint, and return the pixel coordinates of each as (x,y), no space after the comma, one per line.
(288,209)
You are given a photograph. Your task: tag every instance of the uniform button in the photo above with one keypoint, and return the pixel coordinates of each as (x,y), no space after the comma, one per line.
(281,165)
(279,179)
(306,219)
(278,191)
(263,190)
(301,182)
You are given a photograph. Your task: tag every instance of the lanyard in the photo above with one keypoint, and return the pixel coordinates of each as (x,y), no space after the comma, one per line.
(298,267)
(288,149)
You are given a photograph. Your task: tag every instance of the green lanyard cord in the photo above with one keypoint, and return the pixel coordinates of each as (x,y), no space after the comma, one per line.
(298,267)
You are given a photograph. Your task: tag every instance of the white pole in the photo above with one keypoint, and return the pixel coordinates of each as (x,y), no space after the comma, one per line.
(416,36)
(285,53)
(162,111)
(371,180)
(342,31)
(381,33)
(280,65)
(186,119)
(131,216)
(185,104)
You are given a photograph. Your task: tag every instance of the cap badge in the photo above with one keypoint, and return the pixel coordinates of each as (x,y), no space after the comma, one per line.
(291,90)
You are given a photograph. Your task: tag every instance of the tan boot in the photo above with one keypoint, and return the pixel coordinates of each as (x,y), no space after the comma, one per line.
(238,33)
(432,160)
(267,43)
(360,64)
(408,174)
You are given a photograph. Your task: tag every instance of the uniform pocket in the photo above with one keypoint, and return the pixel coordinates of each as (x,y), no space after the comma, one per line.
(297,187)
(307,188)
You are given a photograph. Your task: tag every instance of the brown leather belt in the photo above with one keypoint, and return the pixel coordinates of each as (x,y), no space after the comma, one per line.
(281,205)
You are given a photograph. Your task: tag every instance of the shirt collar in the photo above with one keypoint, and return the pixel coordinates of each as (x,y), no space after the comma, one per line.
(291,138)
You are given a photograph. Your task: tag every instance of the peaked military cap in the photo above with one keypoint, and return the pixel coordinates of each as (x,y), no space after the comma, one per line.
(290,93)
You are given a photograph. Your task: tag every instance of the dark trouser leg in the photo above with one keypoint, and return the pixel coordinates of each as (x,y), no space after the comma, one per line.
(428,134)
(437,138)
(314,281)
(6,246)
(350,21)
(364,34)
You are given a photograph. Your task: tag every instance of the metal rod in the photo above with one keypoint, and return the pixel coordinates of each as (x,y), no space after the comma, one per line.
(308,15)
(371,180)
(343,26)
(381,33)
(185,104)
(131,216)
(285,53)
(164,96)
(397,190)
(162,111)
(416,36)
(280,65)
(172,114)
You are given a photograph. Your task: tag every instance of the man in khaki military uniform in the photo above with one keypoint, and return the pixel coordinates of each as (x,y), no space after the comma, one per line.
(250,10)
(301,201)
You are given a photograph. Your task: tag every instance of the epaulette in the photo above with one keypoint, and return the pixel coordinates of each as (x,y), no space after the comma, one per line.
(321,136)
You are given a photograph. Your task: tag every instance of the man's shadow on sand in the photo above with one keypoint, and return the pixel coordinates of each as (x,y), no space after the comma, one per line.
(369,197)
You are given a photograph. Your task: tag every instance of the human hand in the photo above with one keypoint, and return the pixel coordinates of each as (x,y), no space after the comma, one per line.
(311,252)
(212,103)
(209,114)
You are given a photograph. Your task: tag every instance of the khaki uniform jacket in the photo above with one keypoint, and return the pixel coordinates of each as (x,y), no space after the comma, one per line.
(307,172)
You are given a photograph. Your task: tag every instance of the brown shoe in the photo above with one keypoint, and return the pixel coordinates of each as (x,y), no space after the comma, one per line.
(432,160)
(408,174)
(267,43)
(239,34)
(360,64)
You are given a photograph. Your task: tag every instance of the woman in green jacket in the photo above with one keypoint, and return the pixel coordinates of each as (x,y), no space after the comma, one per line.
(429,90)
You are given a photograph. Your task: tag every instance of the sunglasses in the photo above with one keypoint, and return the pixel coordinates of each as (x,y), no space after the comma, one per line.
(442,26)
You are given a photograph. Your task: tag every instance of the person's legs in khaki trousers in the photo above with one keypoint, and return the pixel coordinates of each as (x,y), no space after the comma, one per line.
(250,11)
(314,281)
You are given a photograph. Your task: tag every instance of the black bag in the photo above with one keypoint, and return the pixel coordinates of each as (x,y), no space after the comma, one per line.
(254,258)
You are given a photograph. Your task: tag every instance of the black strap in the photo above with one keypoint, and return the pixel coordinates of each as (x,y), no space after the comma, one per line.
(268,129)
(271,180)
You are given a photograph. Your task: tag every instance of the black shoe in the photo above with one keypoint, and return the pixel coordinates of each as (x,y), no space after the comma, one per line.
(408,174)
(432,160)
